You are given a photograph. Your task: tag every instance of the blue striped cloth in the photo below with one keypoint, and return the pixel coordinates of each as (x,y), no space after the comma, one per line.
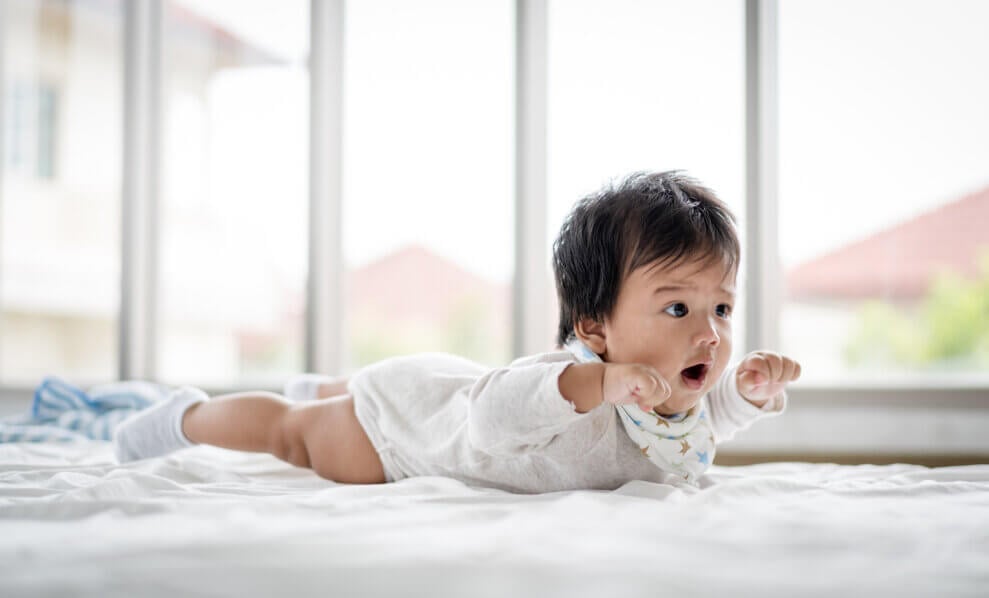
(62,412)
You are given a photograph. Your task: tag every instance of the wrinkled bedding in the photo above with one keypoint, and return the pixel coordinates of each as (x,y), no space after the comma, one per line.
(210,522)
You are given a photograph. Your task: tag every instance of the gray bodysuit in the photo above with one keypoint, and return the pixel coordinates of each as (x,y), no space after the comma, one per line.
(510,428)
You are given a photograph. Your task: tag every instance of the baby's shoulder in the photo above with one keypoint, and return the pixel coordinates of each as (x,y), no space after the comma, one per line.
(539,358)
(441,362)
(446,364)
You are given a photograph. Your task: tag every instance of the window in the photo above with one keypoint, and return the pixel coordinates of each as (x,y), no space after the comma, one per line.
(428,189)
(645,86)
(234,191)
(46,133)
(882,177)
(60,238)
(30,126)
(884,189)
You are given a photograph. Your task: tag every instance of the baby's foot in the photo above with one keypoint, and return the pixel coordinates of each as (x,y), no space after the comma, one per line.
(305,387)
(157,430)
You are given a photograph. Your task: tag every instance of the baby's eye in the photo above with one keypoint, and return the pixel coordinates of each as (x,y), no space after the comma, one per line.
(677,310)
(723,310)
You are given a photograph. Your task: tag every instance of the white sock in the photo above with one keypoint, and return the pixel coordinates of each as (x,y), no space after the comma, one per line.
(305,387)
(156,430)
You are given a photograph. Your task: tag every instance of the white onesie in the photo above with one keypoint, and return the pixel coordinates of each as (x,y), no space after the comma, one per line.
(510,428)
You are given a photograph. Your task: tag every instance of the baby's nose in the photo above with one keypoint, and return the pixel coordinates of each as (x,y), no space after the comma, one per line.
(708,335)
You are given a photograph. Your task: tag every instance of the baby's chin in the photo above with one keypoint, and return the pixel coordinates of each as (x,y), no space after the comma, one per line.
(678,404)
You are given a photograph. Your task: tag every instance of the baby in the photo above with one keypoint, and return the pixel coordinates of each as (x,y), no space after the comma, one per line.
(641,390)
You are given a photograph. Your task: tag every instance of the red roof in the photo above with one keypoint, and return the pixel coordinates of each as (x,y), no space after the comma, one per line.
(204,30)
(900,262)
(414,283)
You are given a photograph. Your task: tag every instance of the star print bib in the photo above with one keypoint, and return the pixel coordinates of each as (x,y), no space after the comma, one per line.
(682,444)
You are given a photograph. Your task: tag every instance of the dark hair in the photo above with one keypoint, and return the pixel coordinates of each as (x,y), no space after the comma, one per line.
(646,217)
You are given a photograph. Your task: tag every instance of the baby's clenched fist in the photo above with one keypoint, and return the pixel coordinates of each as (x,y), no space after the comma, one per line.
(628,383)
(763,374)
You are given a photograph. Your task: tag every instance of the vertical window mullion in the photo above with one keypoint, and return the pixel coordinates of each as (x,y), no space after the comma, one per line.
(324,309)
(3,131)
(530,289)
(141,167)
(761,182)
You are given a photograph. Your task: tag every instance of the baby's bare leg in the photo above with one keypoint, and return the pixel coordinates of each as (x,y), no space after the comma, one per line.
(322,435)
(332,389)
(315,386)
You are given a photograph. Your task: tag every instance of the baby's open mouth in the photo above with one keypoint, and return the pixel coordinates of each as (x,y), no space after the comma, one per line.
(695,375)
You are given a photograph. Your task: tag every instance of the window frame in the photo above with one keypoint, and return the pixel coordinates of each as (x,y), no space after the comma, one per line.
(532,288)
(819,410)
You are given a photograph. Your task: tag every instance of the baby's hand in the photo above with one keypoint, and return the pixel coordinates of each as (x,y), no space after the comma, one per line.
(628,383)
(763,374)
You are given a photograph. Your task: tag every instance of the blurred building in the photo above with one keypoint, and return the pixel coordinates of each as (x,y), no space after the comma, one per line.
(61,174)
(896,266)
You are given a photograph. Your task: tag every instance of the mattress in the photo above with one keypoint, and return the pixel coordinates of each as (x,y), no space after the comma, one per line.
(211,522)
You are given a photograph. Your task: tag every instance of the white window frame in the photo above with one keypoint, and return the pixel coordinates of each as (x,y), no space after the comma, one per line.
(325,305)
(820,416)
(141,169)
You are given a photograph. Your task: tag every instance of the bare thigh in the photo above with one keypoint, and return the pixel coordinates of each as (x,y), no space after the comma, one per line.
(337,446)
(333,389)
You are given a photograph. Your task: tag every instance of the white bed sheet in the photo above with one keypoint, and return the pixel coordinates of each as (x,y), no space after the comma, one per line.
(210,522)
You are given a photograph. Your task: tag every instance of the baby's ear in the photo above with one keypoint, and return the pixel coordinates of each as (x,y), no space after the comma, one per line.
(592,334)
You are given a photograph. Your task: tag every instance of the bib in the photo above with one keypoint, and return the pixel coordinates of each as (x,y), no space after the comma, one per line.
(682,444)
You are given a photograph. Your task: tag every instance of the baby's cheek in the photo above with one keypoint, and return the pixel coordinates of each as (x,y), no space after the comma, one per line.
(726,345)
(716,372)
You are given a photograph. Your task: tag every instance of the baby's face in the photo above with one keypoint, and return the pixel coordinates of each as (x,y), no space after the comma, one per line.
(678,320)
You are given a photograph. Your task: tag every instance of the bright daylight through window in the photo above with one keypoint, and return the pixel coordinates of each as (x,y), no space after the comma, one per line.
(884,190)
(427,202)
(628,120)
(234,191)
(883,176)
(60,237)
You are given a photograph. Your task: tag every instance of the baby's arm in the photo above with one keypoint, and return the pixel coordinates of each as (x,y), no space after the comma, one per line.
(517,409)
(752,390)
(587,385)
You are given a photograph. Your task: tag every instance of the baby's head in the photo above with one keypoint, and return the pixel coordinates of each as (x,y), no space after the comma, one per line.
(645,273)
